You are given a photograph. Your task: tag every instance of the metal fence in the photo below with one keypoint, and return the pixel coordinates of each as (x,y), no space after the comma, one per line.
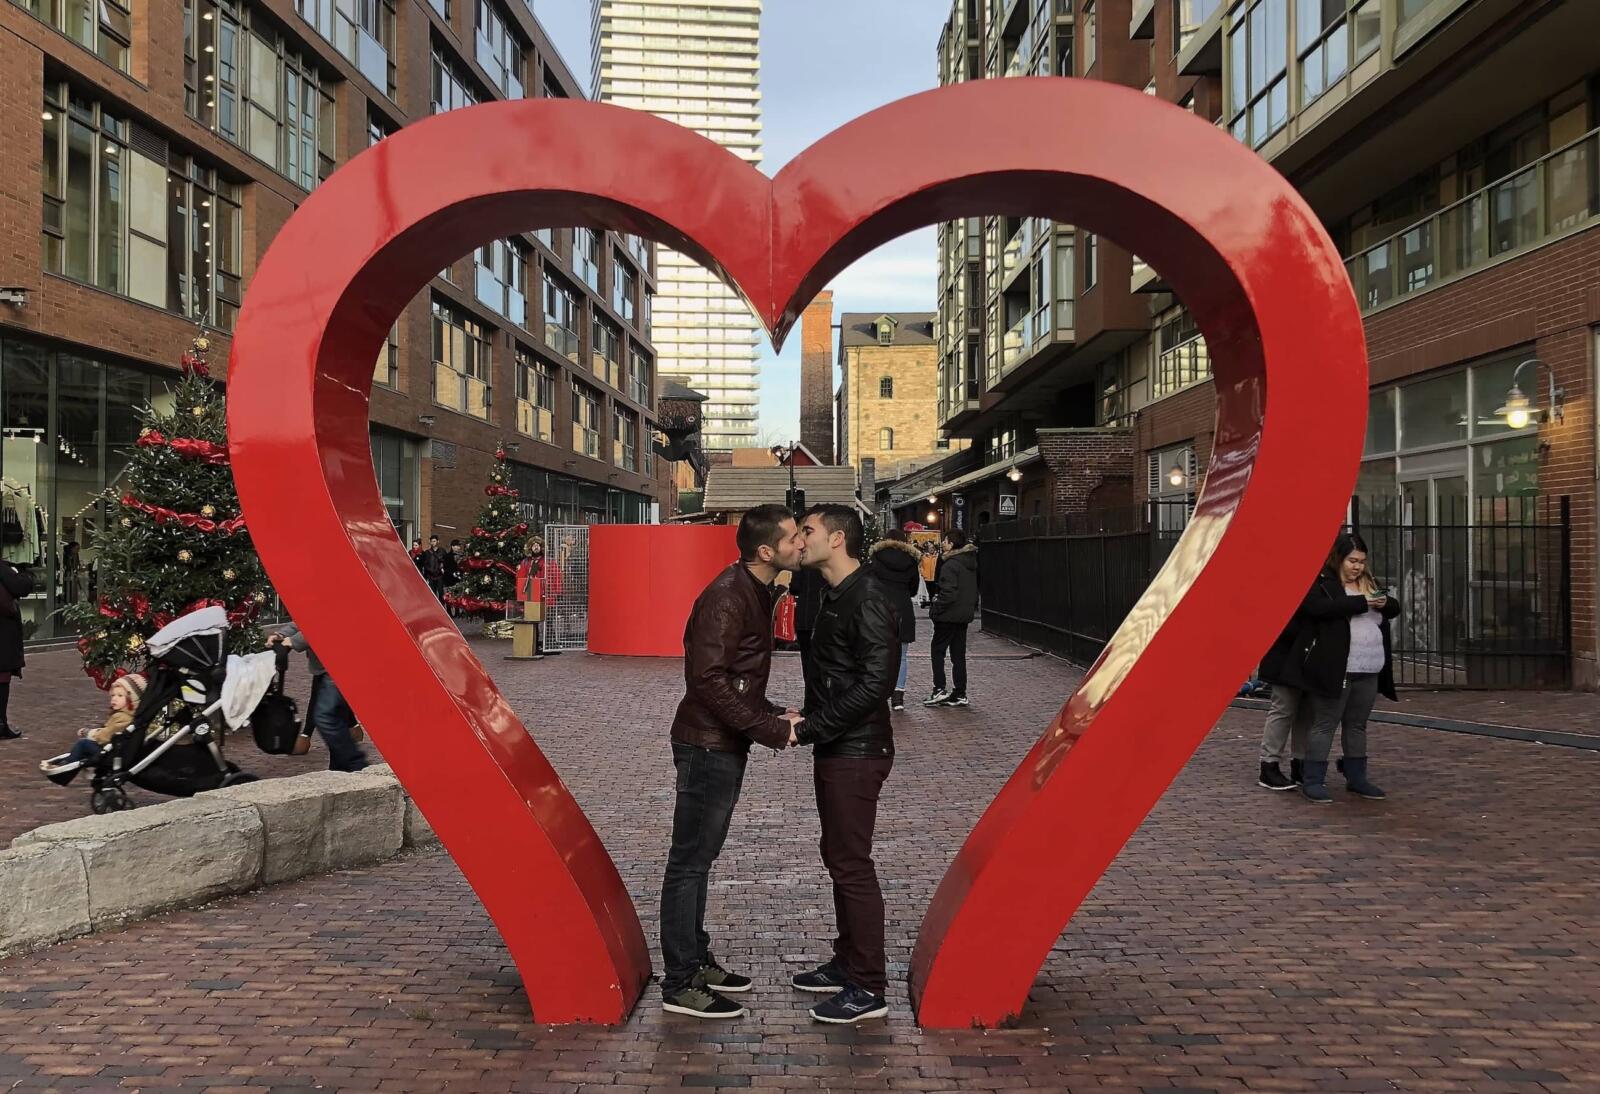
(1485,584)
(566,588)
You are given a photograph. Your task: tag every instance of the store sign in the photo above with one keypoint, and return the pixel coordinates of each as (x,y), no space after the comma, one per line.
(960,518)
(1008,505)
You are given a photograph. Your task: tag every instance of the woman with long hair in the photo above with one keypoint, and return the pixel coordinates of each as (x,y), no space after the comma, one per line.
(1342,660)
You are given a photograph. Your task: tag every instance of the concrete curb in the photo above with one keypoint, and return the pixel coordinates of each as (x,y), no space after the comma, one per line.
(1451,725)
(97,873)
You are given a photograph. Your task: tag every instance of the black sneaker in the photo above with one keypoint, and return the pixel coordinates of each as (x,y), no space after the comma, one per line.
(9,734)
(698,1002)
(719,979)
(956,701)
(1273,778)
(936,697)
(824,978)
(850,1006)
(897,701)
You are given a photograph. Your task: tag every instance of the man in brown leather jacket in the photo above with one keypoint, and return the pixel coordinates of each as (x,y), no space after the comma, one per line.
(727,655)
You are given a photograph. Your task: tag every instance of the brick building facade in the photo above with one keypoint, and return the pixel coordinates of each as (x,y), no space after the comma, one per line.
(888,400)
(1450,147)
(152,154)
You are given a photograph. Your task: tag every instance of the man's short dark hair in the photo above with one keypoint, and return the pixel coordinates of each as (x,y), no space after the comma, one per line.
(842,518)
(455,543)
(760,527)
(431,539)
(957,537)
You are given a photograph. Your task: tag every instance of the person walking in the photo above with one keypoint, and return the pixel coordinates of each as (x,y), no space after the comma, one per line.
(1342,659)
(15,583)
(727,658)
(846,723)
(955,606)
(450,566)
(328,712)
(897,564)
(435,565)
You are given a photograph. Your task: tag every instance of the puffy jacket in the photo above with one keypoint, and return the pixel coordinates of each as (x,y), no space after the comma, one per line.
(855,653)
(956,600)
(727,657)
(1317,649)
(895,564)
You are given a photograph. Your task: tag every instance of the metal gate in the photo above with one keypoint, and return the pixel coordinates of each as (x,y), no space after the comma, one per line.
(566,587)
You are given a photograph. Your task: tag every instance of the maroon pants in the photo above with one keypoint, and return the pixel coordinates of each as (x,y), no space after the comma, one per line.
(847,801)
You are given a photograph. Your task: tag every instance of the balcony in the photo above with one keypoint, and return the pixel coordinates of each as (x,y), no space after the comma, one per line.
(1014,346)
(560,339)
(1553,197)
(1145,279)
(1143,23)
(1201,55)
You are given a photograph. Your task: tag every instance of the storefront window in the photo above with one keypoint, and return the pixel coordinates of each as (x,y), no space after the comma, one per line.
(1434,411)
(394,459)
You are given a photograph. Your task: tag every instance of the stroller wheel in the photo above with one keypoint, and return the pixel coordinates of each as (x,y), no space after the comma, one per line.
(113,799)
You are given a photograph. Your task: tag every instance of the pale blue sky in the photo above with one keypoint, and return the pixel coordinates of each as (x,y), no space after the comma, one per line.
(823,62)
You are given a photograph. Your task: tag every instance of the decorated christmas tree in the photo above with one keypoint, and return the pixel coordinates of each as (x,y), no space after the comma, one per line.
(174,540)
(488,580)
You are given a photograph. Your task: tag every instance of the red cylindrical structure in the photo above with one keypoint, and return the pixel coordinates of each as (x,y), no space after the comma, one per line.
(643,579)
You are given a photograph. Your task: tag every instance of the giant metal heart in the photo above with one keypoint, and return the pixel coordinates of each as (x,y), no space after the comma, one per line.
(1236,243)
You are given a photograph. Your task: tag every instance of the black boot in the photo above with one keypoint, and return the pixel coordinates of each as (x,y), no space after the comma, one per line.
(1355,777)
(1297,772)
(1272,778)
(7,733)
(1315,787)
(898,701)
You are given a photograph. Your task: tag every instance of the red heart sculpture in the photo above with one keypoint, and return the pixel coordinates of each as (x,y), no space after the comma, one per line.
(1237,244)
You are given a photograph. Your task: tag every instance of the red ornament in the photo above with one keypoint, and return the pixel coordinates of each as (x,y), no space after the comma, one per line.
(1235,241)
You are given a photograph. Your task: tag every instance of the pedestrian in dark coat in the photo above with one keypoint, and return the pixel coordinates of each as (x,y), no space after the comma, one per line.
(894,562)
(15,583)
(955,606)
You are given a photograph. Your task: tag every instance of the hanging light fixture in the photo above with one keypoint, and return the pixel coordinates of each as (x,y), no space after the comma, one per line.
(1177,476)
(1014,475)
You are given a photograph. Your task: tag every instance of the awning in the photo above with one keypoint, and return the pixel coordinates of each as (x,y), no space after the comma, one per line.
(999,467)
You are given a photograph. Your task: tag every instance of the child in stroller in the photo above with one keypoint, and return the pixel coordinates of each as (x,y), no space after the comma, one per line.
(124,693)
(177,752)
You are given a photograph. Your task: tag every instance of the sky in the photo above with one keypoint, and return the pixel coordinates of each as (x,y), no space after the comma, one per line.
(823,62)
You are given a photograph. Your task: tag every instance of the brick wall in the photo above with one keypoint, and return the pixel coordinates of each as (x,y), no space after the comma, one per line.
(816,377)
(1081,461)
(912,413)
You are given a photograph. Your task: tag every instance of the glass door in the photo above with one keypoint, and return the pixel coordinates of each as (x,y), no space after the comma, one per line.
(1433,567)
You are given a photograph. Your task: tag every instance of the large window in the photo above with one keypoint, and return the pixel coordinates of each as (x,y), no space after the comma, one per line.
(1091,260)
(886,387)
(561,315)
(885,439)
(1188,16)
(640,383)
(104,28)
(394,459)
(451,88)
(461,361)
(500,278)
(363,33)
(386,370)
(499,50)
(586,257)
(536,397)
(247,83)
(1183,359)
(1091,36)
(585,421)
(624,440)
(124,213)
(623,284)
(606,352)
(1330,36)
(1258,62)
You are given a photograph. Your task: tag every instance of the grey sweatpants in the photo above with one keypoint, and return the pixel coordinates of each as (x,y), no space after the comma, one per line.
(1347,712)
(1288,720)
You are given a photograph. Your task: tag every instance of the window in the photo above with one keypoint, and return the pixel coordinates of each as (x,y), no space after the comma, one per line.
(561,313)
(499,50)
(386,371)
(885,332)
(1091,260)
(624,440)
(585,421)
(1328,34)
(605,351)
(1091,36)
(886,388)
(104,28)
(622,288)
(586,257)
(125,213)
(1183,359)
(886,439)
(377,128)
(1172,478)
(247,83)
(1188,16)
(363,33)
(1258,87)
(451,87)
(461,362)
(641,384)
(536,397)
(500,278)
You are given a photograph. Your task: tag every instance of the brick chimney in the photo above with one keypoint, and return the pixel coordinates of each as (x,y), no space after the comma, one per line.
(816,376)
(868,487)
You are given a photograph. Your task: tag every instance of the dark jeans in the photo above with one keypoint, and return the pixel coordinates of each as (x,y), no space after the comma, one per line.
(334,719)
(952,637)
(85,750)
(708,789)
(847,802)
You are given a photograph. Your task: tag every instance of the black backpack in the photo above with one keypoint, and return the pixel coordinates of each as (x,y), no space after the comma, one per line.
(276,721)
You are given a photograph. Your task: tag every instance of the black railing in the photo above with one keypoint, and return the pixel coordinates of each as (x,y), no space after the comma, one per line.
(1485,584)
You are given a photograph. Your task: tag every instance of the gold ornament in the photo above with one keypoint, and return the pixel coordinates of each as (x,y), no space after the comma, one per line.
(145,432)
(487,580)
(127,522)
(228,575)
(208,510)
(100,636)
(199,412)
(134,642)
(202,343)
(185,556)
(260,598)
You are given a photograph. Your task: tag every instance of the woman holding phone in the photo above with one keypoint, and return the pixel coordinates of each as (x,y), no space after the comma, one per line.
(1342,660)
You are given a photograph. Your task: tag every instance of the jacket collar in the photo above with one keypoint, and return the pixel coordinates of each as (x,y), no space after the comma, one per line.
(969,549)
(894,545)
(835,591)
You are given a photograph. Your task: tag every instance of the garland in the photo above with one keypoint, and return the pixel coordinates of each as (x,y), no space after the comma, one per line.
(514,530)
(486,564)
(473,604)
(192,447)
(189,520)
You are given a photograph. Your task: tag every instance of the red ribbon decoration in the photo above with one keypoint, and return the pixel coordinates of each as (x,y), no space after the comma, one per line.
(194,364)
(161,515)
(192,447)
(486,564)
(473,604)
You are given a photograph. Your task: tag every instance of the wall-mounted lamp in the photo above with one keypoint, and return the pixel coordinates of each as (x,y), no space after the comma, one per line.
(1519,411)
(933,499)
(1014,475)
(933,517)
(514,446)
(425,421)
(1177,476)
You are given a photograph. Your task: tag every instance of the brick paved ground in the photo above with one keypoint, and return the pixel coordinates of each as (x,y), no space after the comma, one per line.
(1568,711)
(1448,939)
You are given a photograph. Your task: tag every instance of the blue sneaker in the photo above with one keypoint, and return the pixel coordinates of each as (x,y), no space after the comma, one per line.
(850,1006)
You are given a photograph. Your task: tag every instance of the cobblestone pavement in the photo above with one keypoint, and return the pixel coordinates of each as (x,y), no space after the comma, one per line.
(1568,711)
(1447,939)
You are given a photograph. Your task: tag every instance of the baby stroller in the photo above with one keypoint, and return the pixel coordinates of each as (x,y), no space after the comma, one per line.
(178,752)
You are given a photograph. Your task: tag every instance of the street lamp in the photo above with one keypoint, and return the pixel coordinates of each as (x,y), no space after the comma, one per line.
(796,501)
(1519,410)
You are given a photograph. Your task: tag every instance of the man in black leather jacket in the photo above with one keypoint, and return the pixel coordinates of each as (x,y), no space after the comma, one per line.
(855,655)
